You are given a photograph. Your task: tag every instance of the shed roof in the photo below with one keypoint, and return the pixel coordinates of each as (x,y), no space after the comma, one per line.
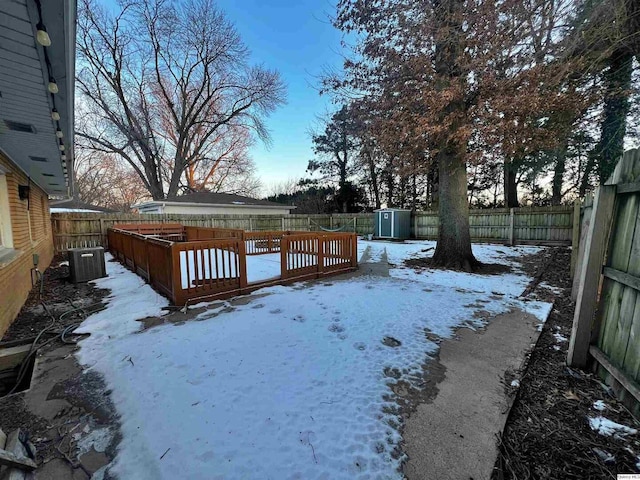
(392,209)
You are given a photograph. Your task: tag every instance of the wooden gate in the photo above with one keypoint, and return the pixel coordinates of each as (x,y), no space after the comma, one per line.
(606,326)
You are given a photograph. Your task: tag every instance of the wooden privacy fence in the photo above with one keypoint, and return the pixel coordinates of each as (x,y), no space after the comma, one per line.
(531,225)
(72,230)
(208,264)
(606,325)
(538,225)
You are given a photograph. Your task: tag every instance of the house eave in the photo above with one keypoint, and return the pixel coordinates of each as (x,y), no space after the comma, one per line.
(27,131)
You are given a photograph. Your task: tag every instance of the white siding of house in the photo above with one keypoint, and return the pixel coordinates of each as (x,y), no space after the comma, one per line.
(205,210)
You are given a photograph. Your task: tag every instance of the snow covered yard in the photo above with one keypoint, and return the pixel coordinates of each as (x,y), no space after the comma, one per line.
(293,384)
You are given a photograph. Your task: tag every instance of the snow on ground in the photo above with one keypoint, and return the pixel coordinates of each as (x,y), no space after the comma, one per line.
(512,284)
(607,427)
(222,264)
(599,405)
(290,385)
(263,267)
(196,265)
(560,338)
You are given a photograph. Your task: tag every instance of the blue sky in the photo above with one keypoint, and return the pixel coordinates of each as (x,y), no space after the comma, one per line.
(295,38)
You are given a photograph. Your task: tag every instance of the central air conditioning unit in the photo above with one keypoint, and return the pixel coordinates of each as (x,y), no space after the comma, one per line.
(86,264)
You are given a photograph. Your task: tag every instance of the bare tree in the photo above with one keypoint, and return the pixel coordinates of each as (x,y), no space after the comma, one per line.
(288,186)
(223,164)
(104,180)
(162,81)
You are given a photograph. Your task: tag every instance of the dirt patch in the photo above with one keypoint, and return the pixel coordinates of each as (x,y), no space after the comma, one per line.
(409,391)
(547,434)
(180,315)
(54,298)
(422,263)
(14,414)
(391,342)
(65,408)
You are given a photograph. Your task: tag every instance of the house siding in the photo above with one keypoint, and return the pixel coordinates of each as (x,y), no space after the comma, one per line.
(31,232)
(206,210)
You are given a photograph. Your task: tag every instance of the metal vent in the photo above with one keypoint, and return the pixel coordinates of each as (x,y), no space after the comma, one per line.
(19,126)
(38,159)
(86,264)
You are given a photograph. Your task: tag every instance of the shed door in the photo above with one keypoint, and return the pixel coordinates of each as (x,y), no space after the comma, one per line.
(386,220)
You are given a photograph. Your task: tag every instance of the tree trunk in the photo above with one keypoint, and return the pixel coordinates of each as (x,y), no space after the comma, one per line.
(510,186)
(414,192)
(155,188)
(588,168)
(390,188)
(558,175)
(374,179)
(342,184)
(616,107)
(403,191)
(433,201)
(556,186)
(453,249)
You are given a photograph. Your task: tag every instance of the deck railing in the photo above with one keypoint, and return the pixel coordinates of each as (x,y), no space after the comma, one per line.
(313,256)
(208,269)
(203,233)
(258,243)
(167,231)
(211,263)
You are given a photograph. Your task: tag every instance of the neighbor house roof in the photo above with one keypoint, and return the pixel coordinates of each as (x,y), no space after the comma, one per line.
(216,200)
(74,205)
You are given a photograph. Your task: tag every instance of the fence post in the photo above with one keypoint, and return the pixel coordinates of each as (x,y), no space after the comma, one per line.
(331,222)
(282,224)
(102,233)
(174,274)
(320,240)
(575,237)
(512,233)
(308,224)
(251,224)
(242,264)
(355,225)
(283,257)
(590,273)
(354,251)
(148,262)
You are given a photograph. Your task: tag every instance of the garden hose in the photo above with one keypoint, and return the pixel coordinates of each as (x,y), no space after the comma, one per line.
(61,334)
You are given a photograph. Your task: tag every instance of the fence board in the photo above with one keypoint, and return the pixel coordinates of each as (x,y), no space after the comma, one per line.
(632,356)
(595,246)
(540,225)
(614,325)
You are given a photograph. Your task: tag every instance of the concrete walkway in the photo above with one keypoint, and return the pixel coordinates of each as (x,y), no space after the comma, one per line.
(455,435)
(379,268)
